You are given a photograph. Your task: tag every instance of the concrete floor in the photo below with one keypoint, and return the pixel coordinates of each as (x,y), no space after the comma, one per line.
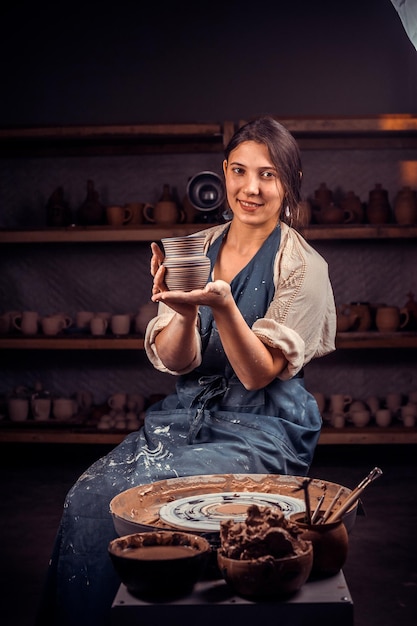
(381,569)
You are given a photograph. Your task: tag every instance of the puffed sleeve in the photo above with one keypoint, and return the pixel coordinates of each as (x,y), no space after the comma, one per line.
(301,319)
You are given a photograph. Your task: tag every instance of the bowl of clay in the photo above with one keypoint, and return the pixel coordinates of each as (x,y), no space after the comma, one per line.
(264,557)
(266,578)
(159,565)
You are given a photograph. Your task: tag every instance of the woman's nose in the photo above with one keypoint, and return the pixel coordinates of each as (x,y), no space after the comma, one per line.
(251,186)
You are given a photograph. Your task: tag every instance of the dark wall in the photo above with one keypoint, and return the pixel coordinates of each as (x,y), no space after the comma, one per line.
(202,60)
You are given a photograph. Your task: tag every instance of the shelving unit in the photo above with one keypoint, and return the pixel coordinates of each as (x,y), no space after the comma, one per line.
(393,132)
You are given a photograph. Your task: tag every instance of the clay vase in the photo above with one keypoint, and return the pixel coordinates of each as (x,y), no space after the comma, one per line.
(378,210)
(405,206)
(330,545)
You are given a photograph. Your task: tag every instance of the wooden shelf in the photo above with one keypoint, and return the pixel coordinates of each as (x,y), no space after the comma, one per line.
(368,436)
(344,341)
(329,436)
(321,133)
(375,339)
(145,233)
(72,342)
(97,234)
(114,139)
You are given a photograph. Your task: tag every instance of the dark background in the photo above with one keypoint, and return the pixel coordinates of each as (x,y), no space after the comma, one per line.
(64,63)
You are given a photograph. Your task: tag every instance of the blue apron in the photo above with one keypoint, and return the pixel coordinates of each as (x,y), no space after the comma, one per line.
(211,425)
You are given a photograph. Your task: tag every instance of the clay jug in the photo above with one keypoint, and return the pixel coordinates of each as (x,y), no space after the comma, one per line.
(91,212)
(378,210)
(330,544)
(405,206)
(58,212)
(351,202)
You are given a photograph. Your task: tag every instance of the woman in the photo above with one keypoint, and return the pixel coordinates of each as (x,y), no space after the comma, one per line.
(238,347)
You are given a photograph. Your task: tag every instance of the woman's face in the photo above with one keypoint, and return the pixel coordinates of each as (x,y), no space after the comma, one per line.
(254,190)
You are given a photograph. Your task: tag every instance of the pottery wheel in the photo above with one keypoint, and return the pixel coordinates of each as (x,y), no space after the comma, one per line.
(204,513)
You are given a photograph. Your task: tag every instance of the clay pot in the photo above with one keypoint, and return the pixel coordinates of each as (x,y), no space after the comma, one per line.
(363,312)
(405,206)
(330,544)
(323,196)
(345,318)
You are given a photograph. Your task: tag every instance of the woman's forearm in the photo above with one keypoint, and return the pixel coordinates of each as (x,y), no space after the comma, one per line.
(254,363)
(176,344)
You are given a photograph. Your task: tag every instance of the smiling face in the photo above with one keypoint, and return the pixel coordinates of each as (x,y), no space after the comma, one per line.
(254,190)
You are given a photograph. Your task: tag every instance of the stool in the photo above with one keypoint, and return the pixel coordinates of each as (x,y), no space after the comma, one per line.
(326,602)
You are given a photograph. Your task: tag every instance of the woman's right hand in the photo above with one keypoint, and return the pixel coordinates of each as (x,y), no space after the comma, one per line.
(157,269)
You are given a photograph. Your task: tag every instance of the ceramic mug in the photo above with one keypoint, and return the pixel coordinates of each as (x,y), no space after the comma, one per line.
(118,215)
(408,418)
(393,401)
(338,420)
(164,212)
(339,402)
(391,318)
(117,401)
(18,409)
(27,322)
(64,408)
(135,402)
(41,408)
(83,319)
(383,418)
(120,324)
(98,326)
(136,209)
(53,324)
(361,418)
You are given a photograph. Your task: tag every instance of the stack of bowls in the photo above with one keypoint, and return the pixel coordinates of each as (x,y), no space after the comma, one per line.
(187,267)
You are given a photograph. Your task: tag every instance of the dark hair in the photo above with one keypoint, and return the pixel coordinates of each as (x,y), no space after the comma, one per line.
(285,155)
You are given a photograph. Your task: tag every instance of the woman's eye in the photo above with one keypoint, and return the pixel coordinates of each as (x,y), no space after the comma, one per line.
(238,170)
(267,174)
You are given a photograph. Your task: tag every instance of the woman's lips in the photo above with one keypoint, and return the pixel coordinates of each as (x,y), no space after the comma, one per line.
(249,206)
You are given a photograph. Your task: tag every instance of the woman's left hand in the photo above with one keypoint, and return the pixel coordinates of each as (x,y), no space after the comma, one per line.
(215,295)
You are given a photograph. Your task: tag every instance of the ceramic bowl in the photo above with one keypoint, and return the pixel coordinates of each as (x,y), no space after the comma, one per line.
(159,565)
(267,577)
